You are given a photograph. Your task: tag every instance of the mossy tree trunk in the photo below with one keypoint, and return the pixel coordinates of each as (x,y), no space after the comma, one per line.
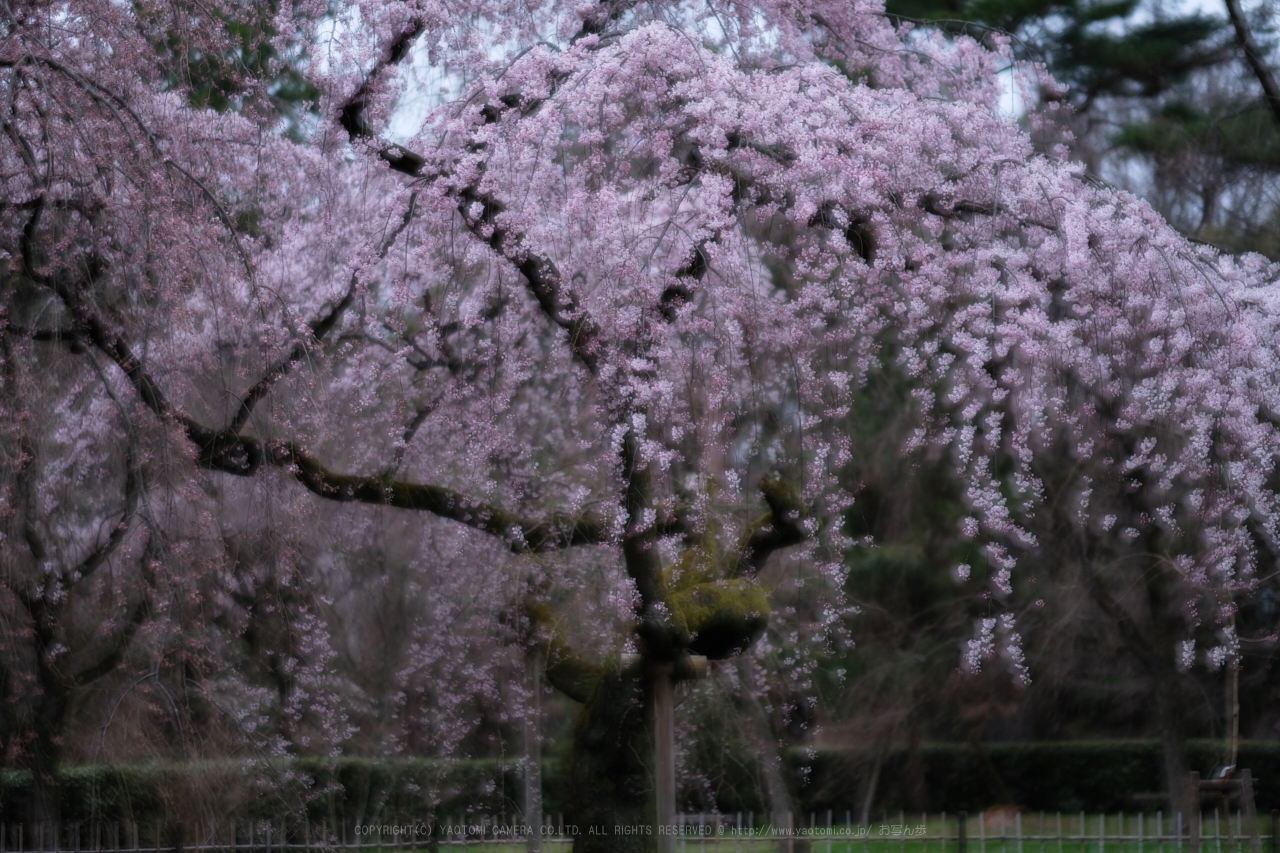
(708,607)
(612,771)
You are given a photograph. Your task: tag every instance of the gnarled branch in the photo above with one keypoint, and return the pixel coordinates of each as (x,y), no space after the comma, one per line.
(781,527)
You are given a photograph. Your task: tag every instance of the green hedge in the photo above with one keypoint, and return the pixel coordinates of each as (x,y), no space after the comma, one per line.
(1068,776)
(1052,776)
(346,790)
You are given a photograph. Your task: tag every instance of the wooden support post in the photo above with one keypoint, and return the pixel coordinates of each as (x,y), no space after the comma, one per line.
(961,841)
(1250,811)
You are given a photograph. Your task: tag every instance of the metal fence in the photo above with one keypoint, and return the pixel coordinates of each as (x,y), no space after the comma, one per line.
(995,831)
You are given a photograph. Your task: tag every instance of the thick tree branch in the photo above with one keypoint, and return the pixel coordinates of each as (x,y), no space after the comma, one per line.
(597,20)
(351,117)
(401,159)
(233,453)
(557,301)
(664,637)
(1253,57)
(949,208)
(69,337)
(523,535)
(779,528)
(243,455)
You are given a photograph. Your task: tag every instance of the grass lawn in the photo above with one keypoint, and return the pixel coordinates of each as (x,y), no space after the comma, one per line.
(992,833)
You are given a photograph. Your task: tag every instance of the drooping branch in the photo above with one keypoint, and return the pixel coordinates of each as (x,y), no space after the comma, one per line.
(1125,623)
(1253,58)
(110,101)
(319,328)
(46,607)
(117,645)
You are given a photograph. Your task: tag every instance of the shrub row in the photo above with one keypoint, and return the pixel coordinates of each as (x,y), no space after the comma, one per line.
(1052,776)
(1069,776)
(345,791)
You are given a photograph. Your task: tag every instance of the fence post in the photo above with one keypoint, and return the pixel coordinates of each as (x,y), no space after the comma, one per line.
(1275,813)
(1193,811)
(961,842)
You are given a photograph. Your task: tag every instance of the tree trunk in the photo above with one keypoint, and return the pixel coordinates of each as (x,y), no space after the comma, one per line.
(43,756)
(1173,739)
(613,776)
